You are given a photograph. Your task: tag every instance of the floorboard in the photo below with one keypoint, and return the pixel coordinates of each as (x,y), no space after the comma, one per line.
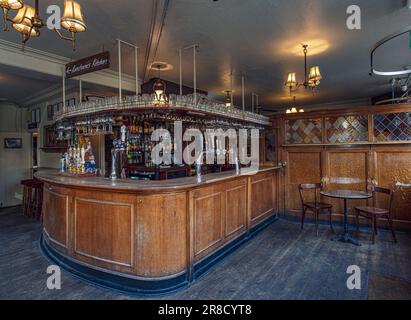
(279,263)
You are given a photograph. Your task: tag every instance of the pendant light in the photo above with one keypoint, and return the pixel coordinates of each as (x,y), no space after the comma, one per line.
(159,87)
(311,79)
(228,102)
(8,5)
(28,22)
(294,108)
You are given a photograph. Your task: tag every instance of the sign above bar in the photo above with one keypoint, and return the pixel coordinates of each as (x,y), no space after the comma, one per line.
(87,65)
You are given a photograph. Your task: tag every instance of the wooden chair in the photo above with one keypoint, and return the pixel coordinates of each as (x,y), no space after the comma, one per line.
(374,213)
(315,207)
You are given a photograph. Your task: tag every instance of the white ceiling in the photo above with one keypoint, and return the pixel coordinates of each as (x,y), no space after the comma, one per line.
(258,38)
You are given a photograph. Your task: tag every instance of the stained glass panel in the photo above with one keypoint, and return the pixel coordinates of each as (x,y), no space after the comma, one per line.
(347,129)
(303,131)
(392,127)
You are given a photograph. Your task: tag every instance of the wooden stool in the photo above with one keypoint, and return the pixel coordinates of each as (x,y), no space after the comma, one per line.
(27,196)
(32,198)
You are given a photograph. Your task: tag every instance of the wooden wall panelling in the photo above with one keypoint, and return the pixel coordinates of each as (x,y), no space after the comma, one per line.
(161,230)
(385,162)
(347,169)
(304,166)
(393,170)
(282,173)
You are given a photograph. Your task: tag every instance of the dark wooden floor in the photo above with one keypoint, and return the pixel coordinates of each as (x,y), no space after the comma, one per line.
(280,263)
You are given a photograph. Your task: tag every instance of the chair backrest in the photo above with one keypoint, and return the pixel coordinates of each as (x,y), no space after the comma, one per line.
(316,187)
(385,191)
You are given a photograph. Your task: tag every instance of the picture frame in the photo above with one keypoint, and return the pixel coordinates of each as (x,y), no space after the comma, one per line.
(50,113)
(13,143)
(35,115)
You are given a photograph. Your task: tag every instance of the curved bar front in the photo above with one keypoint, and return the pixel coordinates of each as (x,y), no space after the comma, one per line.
(151,237)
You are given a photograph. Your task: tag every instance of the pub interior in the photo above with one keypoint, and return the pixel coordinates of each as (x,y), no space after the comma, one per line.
(206,149)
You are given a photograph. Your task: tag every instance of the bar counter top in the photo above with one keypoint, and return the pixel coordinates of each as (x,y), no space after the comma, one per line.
(53,176)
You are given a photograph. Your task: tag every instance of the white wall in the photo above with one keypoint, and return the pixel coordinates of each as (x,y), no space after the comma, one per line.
(14,163)
(45,159)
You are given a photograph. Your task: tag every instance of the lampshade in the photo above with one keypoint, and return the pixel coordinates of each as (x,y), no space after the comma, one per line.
(228,99)
(291,80)
(22,21)
(294,110)
(72,19)
(301,111)
(159,87)
(288,111)
(315,75)
(11,4)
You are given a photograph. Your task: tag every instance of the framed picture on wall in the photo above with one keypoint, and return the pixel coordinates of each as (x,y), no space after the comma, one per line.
(50,113)
(13,143)
(35,115)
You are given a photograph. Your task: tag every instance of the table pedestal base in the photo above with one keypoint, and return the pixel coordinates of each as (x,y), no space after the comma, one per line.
(346,238)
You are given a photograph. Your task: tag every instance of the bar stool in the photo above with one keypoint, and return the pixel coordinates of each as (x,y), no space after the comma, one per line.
(37,199)
(27,196)
(32,198)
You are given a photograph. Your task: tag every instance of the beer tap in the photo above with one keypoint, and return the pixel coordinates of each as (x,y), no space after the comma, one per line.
(198,168)
(119,147)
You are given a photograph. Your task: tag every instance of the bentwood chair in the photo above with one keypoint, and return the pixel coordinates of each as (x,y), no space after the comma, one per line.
(374,213)
(315,207)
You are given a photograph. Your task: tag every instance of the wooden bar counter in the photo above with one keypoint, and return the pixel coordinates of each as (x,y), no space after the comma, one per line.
(152,237)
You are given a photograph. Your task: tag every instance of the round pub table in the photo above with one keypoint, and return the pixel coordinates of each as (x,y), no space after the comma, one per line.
(346,195)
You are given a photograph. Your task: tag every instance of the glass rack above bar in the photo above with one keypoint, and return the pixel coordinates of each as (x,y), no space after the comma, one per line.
(203,106)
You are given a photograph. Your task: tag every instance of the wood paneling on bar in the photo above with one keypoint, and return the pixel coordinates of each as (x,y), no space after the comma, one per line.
(161,230)
(103,230)
(157,235)
(55,215)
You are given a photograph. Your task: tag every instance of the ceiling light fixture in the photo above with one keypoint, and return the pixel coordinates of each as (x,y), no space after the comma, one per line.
(8,5)
(28,22)
(159,86)
(228,102)
(294,109)
(311,80)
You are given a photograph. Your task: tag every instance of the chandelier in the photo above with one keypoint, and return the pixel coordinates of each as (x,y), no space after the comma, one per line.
(28,22)
(294,108)
(311,80)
